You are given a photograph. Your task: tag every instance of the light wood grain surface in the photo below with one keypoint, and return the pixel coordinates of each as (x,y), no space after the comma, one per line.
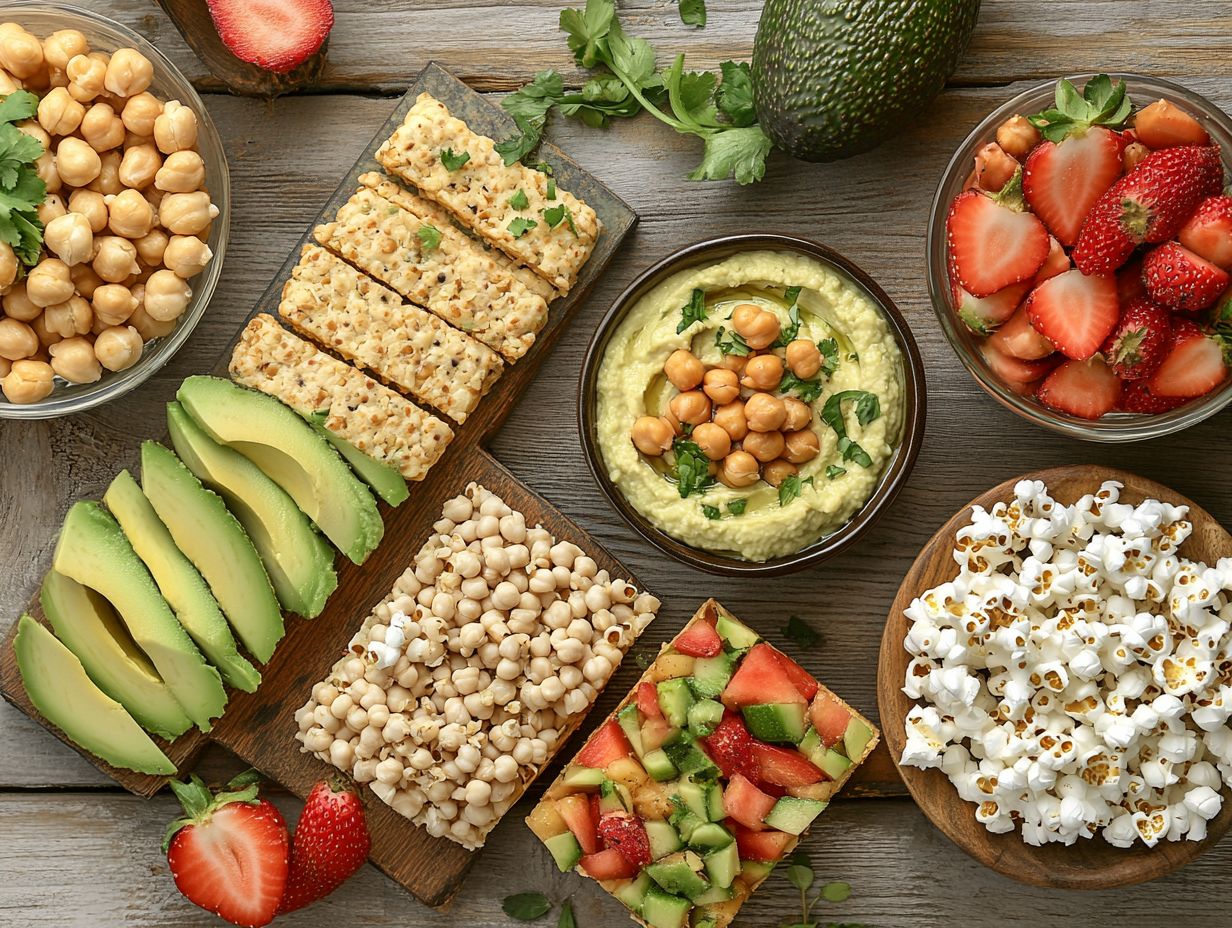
(78,852)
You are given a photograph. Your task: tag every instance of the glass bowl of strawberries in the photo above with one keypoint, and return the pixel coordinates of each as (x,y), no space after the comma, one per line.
(1080,251)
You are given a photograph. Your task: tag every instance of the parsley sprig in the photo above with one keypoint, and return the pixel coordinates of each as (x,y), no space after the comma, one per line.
(868,408)
(453,159)
(692,467)
(21,189)
(429,236)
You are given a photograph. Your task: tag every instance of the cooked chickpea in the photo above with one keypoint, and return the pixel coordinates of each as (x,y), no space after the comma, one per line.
(102,128)
(152,246)
(139,166)
(652,435)
(113,304)
(85,280)
(763,372)
(86,75)
(187,255)
(115,258)
(51,209)
(186,213)
(758,327)
(1017,136)
(801,446)
(17,340)
(182,172)
(776,472)
(21,54)
(8,266)
(63,46)
(70,238)
(118,347)
(7,84)
(45,335)
(129,72)
(74,360)
(49,172)
(108,180)
(17,304)
(734,362)
(91,205)
(1133,154)
(683,370)
(140,320)
(76,162)
(765,446)
(59,113)
(139,114)
(175,129)
(713,440)
(166,296)
(731,419)
(765,413)
(739,469)
(49,283)
(28,382)
(692,407)
(130,215)
(804,358)
(72,317)
(722,386)
(799,414)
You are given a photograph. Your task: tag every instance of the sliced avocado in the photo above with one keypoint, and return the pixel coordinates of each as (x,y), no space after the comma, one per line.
(631,724)
(61,690)
(659,765)
(93,551)
(581,777)
(778,722)
(688,757)
(710,836)
(614,797)
(704,717)
(754,871)
(738,635)
(663,838)
(856,738)
(633,892)
(794,815)
(711,675)
(215,542)
(384,480)
(663,910)
(565,850)
(723,864)
(300,563)
(680,874)
(291,454)
(833,764)
(178,581)
(89,627)
(674,700)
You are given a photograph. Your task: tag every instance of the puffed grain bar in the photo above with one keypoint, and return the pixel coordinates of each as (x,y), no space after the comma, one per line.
(375,419)
(459,283)
(351,314)
(478,192)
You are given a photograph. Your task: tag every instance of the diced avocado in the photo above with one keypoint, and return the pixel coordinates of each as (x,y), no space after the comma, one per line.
(659,765)
(565,850)
(179,582)
(663,910)
(633,892)
(89,627)
(663,838)
(581,777)
(614,797)
(723,864)
(631,724)
(62,691)
(738,635)
(705,800)
(384,480)
(215,542)
(299,561)
(711,675)
(685,823)
(710,836)
(793,815)
(778,722)
(680,874)
(756,870)
(856,738)
(704,717)
(93,551)
(712,895)
(674,700)
(291,454)
(687,756)
(811,747)
(833,764)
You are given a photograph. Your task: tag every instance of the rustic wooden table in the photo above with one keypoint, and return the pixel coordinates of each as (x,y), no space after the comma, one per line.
(77,851)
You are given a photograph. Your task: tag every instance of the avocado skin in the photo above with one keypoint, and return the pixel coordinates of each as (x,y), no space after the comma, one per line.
(834,78)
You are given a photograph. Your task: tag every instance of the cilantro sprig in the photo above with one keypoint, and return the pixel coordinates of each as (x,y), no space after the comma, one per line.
(730,342)
(808,390)
(692,311)
(453,159)
(429,236)
(868,408)
(692,467)
(21,189)
(792,487)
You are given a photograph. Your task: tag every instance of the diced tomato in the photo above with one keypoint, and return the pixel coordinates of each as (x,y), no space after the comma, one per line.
(627,834)
(830,718)
(730,747)
(699,640)
(800,678)
(609,865)
(575,810)
(784,766)
(656,733)
(760,845)
(648,701)
(760,678)
(606,745)
(746,803)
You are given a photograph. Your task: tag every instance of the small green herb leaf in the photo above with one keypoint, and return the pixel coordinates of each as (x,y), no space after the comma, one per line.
(429,236)
(836,892)
(566,919)
(692,467)
(454,160)
(520,225)
(791,487)
(519,200)
(800,876)
(833,470)
(551,195)
(735,94)
(737,506)
(526,907)
(711,512)
(737,152)
(829,356)
(802,634)
(807,390)
(529,108)
(692,311)
(692,12)
(733,343)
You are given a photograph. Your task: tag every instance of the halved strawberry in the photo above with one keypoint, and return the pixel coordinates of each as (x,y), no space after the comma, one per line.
(784,766)
(1180,280)
(1195,366)
(608,864)
(830,718)
(331,842)
(1063,180)
(1129,283)
(993,245)
(730,746)
(983,314)
(1087,389)
(1208,233)
(1137,397)
(1056,263)
(760,678)
(1015,373)
(801,679)
(1019,339)
(1141,340)
(746,803)
(648,701)
(627,834)
(1075,312)
(277,35)
(767,846)
(699,640)
(1163,124)
(575,810)
(606,745)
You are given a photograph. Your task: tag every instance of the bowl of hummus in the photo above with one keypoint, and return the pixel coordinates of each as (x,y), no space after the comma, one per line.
(752,404)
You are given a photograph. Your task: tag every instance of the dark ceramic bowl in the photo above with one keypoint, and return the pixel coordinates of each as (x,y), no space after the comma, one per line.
(896,472)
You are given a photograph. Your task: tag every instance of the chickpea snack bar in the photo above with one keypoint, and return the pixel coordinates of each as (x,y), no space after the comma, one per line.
(462,683)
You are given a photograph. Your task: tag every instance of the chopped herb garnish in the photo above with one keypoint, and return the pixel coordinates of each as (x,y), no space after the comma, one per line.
(692,311)
(791,330)
(692,12)
(868,408)
(736,506)
(429,236)
(802,634)
(692,467)
(454,160)
(807,390)
(734,343)
(520,225)
(829,356)
(711,512)
(544,168)
(555,215)
(526,907)
(519,200)
(791,487)
(833,470)
(529,109)
(551,188)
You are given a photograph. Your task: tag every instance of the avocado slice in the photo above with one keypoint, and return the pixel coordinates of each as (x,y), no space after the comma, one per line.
(291,454)
(385,481)
(664,910)
(565,850)
(630,724)
(93,551)
(89,627)
(66,696)
(710,837)
(582,777)
(735,633)
(856,738)
(659,765)
(614,797)
(215,542)
(794,815)
(722,865)
(178,581)
(662,838)
(633,892)
(300,563)
(680,873)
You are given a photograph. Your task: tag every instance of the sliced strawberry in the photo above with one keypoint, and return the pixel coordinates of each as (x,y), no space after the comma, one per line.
(1163,124)
(627,834)
(801,679)
(656,732)
(1087,389)
(648,701)
(992,244)
(277,35)
(784,766)
(746,803)
(730,746)
(1018,339)
(1137,397)
(575,810)
(606,745)
(983,314)
(1208,233)
(761,845)
(1129,283)
(1063,180)
(1195,366)
(760,678)
(1075,312)
(699,640)
(1056,263)
(609,864)
(830,717)
(1141,340)
(1016,373)
(1180,280)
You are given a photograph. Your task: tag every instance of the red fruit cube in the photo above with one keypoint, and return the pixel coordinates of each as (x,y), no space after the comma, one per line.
(607,744)
(801,679)
(784,766)
(699,640)
(648,701)
(626,834)
(655,733)
(730,746)
(609,864)
(760,678)
(761,845)
(746,803)
(575,810)
(830,717)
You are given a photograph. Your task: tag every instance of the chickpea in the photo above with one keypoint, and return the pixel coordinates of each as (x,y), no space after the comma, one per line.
(175,129)
(85,280)
(86,76)
(683,370)
(155,198)
(7,84)
(76,162)
(72,317)
(63,46)
(51,209)
(28,382)
(46,336)
(49,283)
(187,255)
(128,73)
(91,205)
(118,348)
(49,173)
(1133,154)
(730,417)
(801,446)
(115,258)
(74,360)
(102,128)
(186,213)
(139,166)
(799,414)
(152,246)
(777,471)
(734,362)
(763,372)
(113,304)
(166,296)
(182,172)
(148,327)
(722,386)
(17,340)
(765,413)
(759,327)
(70,238)
(739,469)
(17,304)
(652,435)
(108,180)
(140,112)
(21,54)
(804,358)
(713,440)
(8,266)
(1017,136)
(692,407)
(130,215)
(765,446)
(59,113)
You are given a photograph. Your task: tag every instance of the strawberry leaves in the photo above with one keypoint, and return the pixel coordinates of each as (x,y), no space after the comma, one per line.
(1101,103)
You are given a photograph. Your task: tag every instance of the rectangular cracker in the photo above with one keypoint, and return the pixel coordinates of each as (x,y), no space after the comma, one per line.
(375,419)
(455,280)
(351,314)
(478,192)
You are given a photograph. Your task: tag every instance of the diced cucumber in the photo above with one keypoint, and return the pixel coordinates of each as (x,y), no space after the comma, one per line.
(680,874)
(704,717)
(565,850)
(579,777)
(794,815)
(685,823)
(675,700)
(659,765)
(833,764)
(776,722)
(856,738)
(722,865)
(711,896)
(664,910)
(811,747)
(711,674)
(663,838)
(735,632)
(755,871)
(710,836)
(688,757)
(705,800)
(631,724)
(614,797)
(633,893)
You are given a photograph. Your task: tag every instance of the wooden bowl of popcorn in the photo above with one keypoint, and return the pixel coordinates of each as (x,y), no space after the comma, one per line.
(124,183)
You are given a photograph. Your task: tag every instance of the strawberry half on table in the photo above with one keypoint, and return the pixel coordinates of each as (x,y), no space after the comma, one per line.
(331,842)
(706,775)
(276,35)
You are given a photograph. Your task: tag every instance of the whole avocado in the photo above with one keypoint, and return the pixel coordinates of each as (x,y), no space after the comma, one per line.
(833,78)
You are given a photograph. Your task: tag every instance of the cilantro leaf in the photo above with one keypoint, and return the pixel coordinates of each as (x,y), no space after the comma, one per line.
(18,106)
(691,94)
(791,488)
(551,194)
(526,907)
(519,200)
(429,236)
(588,30)
(807,390)
(789,332)
(529,108)
(453,160)
(711,512)
(692,12)
(630,58)
(520,225)
(735,152)
(833,471)
(555,215)
(692,311)
(802,634)
(736,506)
(735,94)
(692,468)
(868,408)
(829,355)
(733,344)
(16,151)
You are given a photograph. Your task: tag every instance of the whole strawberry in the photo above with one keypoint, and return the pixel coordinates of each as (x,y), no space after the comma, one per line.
(1137,397)
(1141,340)
(331,842)
(1177,278)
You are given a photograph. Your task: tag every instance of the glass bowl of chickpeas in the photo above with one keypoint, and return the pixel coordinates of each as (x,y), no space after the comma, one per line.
(135,216)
